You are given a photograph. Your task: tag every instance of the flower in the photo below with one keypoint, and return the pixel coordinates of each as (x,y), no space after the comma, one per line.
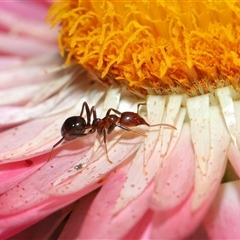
(154,181)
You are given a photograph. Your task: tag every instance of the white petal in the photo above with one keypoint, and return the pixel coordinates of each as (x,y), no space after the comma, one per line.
(155,110)
(206,182)
(198,111)
(175,116)
(237,116)
(226,102)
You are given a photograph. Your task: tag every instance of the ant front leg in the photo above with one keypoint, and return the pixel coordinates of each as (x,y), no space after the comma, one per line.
(55,145)
(89,113)
(85,105)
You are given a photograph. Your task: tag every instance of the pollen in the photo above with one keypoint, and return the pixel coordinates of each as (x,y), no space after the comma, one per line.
(153,47)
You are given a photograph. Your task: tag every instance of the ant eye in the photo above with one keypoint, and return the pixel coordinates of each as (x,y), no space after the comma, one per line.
(73,127)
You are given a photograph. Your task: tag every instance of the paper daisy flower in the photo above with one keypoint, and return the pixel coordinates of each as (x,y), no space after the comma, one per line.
(182,59)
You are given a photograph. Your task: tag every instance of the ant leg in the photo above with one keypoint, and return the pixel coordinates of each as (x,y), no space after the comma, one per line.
(117,112)
(88,113)
(140,104)
(129,129)
(105,145)
(114,110)
(56,144)
(93,113)
(154,125)
(163,125)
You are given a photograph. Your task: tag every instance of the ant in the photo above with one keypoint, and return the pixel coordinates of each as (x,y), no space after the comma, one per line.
(76,126)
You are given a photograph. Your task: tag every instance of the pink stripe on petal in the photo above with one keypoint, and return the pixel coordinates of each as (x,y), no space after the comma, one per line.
(223,219)
(24,46)
(175,178)
(30,10)
(38,30)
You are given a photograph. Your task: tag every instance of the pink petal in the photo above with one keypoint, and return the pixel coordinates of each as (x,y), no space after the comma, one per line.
(24,46)
(101,217)
(33,29)
(6,62)
(142,229)
(33,10)
(180,222)
(75,221)
(21,204)
(175,178)
(32,72)
(223,219)
(18,95)
(14,223)
(16,115)
(45,228)
(26,138)
(13,173)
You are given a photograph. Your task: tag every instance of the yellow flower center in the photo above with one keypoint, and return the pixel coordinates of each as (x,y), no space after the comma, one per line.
(155,47)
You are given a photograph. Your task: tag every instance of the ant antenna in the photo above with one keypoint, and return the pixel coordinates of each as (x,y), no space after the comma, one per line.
(163,125)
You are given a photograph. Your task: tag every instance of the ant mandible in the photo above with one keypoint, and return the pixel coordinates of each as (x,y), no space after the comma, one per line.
(76,126)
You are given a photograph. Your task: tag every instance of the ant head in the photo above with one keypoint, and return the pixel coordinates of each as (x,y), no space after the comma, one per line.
(73,128)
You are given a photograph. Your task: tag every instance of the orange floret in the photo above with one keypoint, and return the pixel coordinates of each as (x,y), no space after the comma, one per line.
(155,47)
